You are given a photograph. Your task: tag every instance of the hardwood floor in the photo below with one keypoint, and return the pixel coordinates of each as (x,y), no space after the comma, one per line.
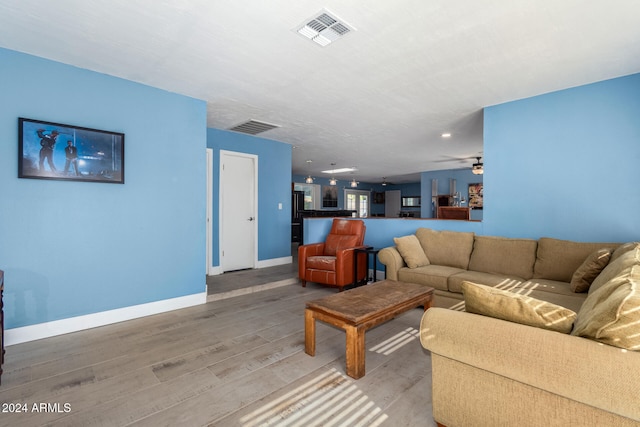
(233,362)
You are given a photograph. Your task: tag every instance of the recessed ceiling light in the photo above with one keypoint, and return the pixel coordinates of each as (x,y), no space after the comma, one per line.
(446,135)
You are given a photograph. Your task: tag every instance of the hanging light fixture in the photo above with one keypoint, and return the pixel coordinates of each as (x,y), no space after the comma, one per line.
(309,179)
(478,167)
(333,180)
(354,184)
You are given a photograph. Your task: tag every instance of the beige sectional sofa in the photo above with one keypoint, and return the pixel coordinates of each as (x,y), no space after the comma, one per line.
(494,368)
(541,268)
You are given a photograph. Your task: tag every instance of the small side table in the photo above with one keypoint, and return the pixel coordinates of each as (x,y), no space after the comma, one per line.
(369,250)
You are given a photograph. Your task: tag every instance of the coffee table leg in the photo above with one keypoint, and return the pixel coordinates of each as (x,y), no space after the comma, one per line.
(355,352)
(309,333)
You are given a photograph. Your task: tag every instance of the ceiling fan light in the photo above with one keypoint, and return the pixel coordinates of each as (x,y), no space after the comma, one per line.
(477,169)
(354,184)
(333,181)
(309,180)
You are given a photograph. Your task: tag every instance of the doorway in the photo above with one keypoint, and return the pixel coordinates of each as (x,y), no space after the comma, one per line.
(357,200)
(238,210)
(392,203)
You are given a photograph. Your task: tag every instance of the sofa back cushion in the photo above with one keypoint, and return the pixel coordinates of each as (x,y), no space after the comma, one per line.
(335,242)
(611,312)
(559,259)
(504,256)
(448,248)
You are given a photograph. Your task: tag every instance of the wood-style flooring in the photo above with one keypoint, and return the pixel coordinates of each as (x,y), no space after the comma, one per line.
(232,362)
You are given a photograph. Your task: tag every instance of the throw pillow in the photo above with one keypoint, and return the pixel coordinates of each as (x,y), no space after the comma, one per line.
(623,249)
(589,270)
(411,251)
(611,314)
(615,267)
(505,305)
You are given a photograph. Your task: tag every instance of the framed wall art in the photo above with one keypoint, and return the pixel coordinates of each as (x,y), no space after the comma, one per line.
(49,150)
(329,196)
(475,195)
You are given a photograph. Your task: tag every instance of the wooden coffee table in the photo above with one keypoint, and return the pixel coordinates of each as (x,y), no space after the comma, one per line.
(360,309)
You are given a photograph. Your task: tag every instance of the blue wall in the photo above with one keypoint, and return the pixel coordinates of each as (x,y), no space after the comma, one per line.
(274,186)
(561,165)
(565,164)
(75,248)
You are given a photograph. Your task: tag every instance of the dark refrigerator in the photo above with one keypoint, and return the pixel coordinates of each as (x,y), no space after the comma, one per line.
(297,206)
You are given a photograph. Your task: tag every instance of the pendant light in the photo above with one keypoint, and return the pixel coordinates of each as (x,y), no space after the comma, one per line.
(333,180)
(309,179)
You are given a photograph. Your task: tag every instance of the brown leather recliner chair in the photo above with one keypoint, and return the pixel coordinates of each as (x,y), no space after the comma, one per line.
(332,262)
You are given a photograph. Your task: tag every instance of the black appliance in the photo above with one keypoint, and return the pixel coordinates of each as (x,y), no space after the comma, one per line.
(297,206)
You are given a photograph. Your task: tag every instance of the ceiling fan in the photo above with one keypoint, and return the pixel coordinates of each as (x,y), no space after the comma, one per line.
(478,167)
(455,159)
(384,182)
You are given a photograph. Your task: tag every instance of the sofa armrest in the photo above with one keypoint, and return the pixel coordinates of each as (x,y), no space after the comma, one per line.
(392,260)
(345,263)
(579,369)
(304,251)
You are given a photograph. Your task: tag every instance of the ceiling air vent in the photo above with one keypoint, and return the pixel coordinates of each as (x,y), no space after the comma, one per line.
(323,28)
(253,127)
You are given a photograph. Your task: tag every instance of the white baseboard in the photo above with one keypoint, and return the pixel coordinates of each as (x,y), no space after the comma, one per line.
(215,270)
(252,289)
(274,262)
(79,323)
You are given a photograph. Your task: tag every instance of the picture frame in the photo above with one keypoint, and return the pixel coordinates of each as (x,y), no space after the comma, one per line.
(476,195)
(329,196)
(48,150)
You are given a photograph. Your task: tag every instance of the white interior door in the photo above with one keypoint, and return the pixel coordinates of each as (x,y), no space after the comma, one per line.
(238,219)
(209,225)
(392,203)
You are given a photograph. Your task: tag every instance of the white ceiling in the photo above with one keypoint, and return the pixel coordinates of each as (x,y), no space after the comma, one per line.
(377,99)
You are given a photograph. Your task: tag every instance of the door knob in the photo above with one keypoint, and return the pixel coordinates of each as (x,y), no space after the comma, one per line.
(251,218)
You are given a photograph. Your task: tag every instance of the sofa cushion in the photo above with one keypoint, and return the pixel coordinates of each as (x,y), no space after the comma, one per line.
(559,259)
(430,275)
(549,286)
(611,314)
(335,242)
(615,268)
(449,248)
(501,255)
(589,270)
(494,280)
(322,262)
(505,305)
(554,291)
(411,251)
